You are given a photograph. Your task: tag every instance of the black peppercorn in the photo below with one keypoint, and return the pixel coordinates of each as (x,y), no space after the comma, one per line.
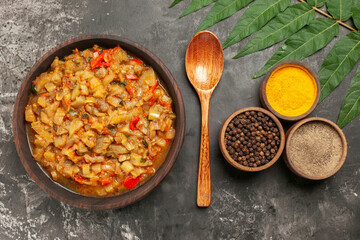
(252,138)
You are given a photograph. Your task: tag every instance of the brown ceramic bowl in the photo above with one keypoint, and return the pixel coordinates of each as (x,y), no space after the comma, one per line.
(237,164)
(265,103)
(22,145)
(291,132)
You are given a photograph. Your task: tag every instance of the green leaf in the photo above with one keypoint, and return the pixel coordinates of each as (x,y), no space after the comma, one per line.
(33,89)
(351,104)
(72,112)
(356,15)
(304,43)
(255,17)
(339,62)
(175,2)
(195,5)
(221,10)
(85,116)
(339,9)
(283,26)
(316,3)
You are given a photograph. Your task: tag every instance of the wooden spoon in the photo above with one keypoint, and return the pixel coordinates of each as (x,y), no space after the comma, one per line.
(204,63)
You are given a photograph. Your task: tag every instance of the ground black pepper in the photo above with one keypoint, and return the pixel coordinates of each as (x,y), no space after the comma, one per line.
(252,138)
(315,149)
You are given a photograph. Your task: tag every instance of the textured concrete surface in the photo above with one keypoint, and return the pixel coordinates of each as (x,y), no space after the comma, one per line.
(274,204)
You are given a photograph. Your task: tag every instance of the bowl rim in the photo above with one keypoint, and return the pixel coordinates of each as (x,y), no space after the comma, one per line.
(291,132)
(265,103)
(234,163)
(62,193)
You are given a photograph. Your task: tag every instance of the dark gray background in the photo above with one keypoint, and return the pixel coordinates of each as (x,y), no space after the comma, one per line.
(274,204)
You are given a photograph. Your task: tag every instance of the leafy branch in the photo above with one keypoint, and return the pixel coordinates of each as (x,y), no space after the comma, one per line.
(329,16)
(278,20)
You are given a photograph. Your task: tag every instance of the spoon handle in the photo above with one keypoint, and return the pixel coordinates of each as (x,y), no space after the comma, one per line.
(204,181)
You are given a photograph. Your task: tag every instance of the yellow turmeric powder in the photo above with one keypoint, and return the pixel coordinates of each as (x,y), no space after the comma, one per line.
(291,90)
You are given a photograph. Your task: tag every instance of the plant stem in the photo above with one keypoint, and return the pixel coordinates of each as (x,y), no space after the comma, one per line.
(329,16)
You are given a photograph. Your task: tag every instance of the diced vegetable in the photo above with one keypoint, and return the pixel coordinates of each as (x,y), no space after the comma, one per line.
(148,77)
(170,134)
(49,156)
(153,113)
(50,86)
(127,167)
(161,142)
(137,160)
(29,114)
(137,172)
(96,168)
(45,118)
(42,101)
(129,182)
(75,125)
(117,149)
(60,141)
(59,116)
(94,159)
(108,78)
(86,169)
(124,157)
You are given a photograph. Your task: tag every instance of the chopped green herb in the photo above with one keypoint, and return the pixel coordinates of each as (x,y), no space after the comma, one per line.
(145,143)
(97,68)
(79,153)
(111,128)
(143,160)
(72,112)
(33,89)
(89,59)
(118,83)
(85,116)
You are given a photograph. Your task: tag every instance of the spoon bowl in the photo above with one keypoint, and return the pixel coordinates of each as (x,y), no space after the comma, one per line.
(204,63)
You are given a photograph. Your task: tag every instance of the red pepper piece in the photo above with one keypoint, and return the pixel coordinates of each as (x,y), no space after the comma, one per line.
(105,181)
(167,140)
(152,89)
(105,130)
(97,61)
(129,182)
(151,101)
(130,89)
(138,61)
(79,179)
(132,77)
(133,123)
(105,64)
